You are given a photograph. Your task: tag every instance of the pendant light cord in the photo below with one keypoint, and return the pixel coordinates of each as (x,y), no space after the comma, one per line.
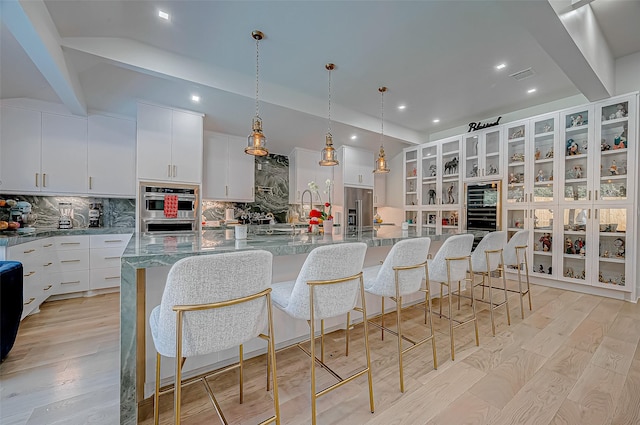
(257,74)
(329,101)
(382,117)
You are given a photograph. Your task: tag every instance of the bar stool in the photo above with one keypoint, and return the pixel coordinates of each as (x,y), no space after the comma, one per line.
(486,259)
(211,303)
(401,274)
(327,286)
(515,255)
(450,265)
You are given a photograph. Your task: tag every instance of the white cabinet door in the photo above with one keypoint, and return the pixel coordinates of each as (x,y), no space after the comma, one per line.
(154,142)
(112,152)
(357,167)
(20,135)
(214,182)
(64,154)
(380,190)
(241,171)
(186,147)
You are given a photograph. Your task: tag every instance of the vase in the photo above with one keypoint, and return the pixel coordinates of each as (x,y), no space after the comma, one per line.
(327,226)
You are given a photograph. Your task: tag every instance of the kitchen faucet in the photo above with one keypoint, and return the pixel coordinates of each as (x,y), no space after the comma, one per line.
(303,216)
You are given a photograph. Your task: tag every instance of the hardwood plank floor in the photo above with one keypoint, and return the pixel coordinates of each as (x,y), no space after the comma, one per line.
(574,360)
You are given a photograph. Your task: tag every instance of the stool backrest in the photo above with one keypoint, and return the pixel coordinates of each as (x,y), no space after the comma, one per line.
(453,247)
(328,263)
(408,252)
(520,238)
(490,242)
(210,279)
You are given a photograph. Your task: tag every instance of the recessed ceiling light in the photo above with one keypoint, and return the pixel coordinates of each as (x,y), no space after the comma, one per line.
(401,107)
(436,121)
(531,91)
(354,137)
(164,15)
(501,66)
(195,98)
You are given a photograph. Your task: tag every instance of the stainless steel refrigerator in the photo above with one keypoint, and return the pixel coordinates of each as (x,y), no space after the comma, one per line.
(358,209)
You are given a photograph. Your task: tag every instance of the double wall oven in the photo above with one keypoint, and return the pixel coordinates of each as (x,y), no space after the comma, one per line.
(168,207)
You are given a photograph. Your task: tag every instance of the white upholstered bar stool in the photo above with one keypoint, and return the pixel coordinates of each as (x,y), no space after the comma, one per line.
(327,286)
(449,266)
(515,255)
(486,259)
(211,303)
(401,274)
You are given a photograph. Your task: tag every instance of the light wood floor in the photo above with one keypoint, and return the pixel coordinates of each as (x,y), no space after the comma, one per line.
(573,360)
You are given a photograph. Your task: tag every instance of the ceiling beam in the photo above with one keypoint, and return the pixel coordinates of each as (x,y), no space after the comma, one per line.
(573,39)
(31,25)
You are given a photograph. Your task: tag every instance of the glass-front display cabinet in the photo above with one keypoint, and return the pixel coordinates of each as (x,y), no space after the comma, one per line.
(544,138)
(518,170)
(542,246)
(482,153)
(612,247)
(411,177)
(440,222)
(577,243)
(578,147)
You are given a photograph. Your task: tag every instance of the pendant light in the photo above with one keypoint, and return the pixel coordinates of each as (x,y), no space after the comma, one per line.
(329,153)
(257,141)
(381,162)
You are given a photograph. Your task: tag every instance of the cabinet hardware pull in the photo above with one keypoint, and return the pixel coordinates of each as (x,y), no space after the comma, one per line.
(596,195)
(90,182)
(30,301)
(70,243)
(169,170)
(37,176)
(596,213)
(589,213)
(28,251)
(589,195)
(47,245)
(113,241)
(175,171)
(226,191)
(47,288)
(70,261)
(44,179)
(111,277)
(525,213)
(69,283)
(48,264)
(111,258)
(31,273)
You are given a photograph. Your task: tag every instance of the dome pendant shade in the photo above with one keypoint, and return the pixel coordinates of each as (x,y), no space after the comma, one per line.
(256,141)
(381,163)
(328,153)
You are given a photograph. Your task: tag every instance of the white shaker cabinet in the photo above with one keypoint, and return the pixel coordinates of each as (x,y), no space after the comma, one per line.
(20,136)
(111,156)
(229,173)
(304,168)
(169,144)
(64,154)
(380,190)
(357,166)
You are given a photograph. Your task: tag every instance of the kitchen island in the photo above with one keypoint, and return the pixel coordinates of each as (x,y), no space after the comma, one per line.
(146,262)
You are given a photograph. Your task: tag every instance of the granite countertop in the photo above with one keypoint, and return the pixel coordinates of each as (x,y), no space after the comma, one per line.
(149,250)
(15,238)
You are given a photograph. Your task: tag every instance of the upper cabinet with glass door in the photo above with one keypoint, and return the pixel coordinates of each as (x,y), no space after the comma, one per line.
(440,173)
(577,146)
(482,153)
(518,169)
(614,158)
(544,136)
(411,177)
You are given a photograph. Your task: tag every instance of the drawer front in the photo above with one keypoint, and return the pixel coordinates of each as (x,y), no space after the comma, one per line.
(71,242)
(110,241)
(101,258)
(71,281)
(72,260)
(27,253)
(105,278)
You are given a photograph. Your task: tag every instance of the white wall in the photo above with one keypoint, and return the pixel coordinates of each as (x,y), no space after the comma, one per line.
(628,73)
(393,212)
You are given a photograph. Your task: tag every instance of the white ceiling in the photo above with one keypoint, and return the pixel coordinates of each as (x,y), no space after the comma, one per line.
(437,57)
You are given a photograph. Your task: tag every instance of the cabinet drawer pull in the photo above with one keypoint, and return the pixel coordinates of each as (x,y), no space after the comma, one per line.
(47,288)
(30,301)
(48,264)
(30,274)
(70,261)
(111,277)
(169,170)
(175,171)
(70,243)
(90,182)
(37,176)
(112,258)
(69,283)
(113,241)
(49,245)
(28,251)
(44,179)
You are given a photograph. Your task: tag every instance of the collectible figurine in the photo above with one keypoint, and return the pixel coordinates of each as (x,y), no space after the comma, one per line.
(513,178)
(568,246)
(432,169)
(576,121)
(547,128)
(583,275)
(550,269)
(620,142)
(605,254)
(518,133)
(604,146)
(474,171)
(569,272)
(601,278)
(572,148)
(537,154)
(540,176)
(619,244)
(622,191)
(517,157)
(577,171)
(450,197)
(541,269)
(451,166)
(578,244)
(549,154)
(546,239)
(621,112)
(613,168)
(432,196)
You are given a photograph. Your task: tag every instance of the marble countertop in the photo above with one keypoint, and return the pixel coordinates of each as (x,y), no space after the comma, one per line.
(145,250)
(15,238)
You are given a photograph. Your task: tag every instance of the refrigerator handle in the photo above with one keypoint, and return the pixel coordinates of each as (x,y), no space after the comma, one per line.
(359,214)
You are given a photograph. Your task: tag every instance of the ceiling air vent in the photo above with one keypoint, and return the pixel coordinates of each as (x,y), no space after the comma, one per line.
(521,75)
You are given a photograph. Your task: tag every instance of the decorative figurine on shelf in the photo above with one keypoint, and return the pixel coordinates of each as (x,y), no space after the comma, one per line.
(432,196)
(547,128)
(513,178)
(572,148)
(577,171)
(546,239)
(613,168)
(517,223)
(622,191)
(492,170)
(620,112)
(540,176)
(568,246)
(605,254)
(541,269)
(518,133)
(450,198)
(601,278)
(620,142)
(432,170)
(451,166)
(583,275)
(576,121)
(414,172)
(453,218)
(551,176)
(517,157)
(537,154)
(549,154)
(578,245)
(550,270)
(618,243)
(474,171)
(585,145)
(569,273)
(604,146)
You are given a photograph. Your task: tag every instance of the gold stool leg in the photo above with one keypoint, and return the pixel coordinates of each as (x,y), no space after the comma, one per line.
(526,267)
(272,353)
(366,345)
(433,339)
(399,318)
(453,349)
(322,341)
(241,356)
(382,318)
(348,334)
(493,323)
(520,282)
(177,389)
(504,286)
(156,396)
(313,357)
(441,296)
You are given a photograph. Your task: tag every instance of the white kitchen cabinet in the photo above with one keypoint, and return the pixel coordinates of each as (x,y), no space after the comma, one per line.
(70,270)
(169,144)
(483,154)
(357,166)
(104,260)
(20,140)
(304,167)
(410,172)
(380,190)
(229,173)
(111,156)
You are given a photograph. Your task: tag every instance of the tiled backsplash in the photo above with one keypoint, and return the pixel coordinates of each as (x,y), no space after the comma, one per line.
(116,212)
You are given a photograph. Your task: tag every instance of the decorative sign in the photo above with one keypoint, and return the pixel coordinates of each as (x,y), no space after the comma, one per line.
(473,126)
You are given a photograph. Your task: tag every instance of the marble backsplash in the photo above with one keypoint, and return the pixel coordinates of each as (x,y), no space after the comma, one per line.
(116,212)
